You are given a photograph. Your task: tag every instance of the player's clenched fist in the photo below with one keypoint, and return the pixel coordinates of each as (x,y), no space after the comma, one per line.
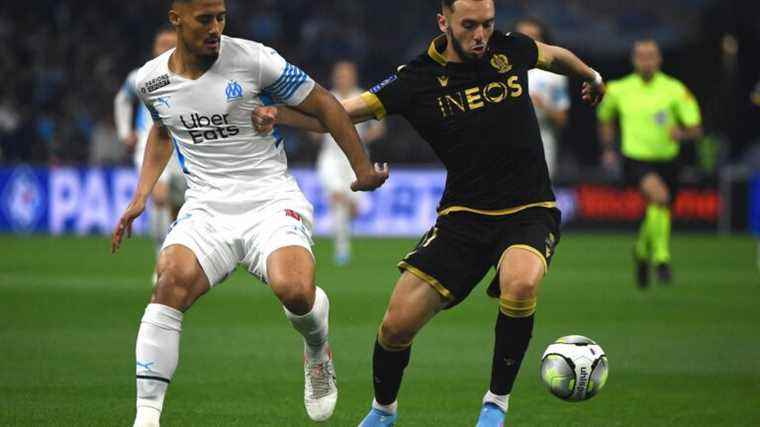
(124,226)
(371,178)
(264,119)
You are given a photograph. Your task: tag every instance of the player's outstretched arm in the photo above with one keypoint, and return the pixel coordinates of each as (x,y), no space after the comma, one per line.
(562,61)
(323,106)
(158,151)
(264,118)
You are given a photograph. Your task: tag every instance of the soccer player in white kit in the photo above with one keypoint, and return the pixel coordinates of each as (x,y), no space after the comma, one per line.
(333,169)
(133,127)
(243,207)
(549,94)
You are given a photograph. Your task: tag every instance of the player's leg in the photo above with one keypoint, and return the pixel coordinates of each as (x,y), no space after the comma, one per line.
(181,281)
(448,262)
(413,303)
(658,196)
(529,243)
(195,258)
(520,274)
(342,213)
(290,274)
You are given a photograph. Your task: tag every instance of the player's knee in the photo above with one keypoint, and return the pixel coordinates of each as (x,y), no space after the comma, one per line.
(393,336)
(519,287)
(175,287)
(295,293)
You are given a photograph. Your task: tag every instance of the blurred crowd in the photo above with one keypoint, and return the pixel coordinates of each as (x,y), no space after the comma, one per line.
(61,63)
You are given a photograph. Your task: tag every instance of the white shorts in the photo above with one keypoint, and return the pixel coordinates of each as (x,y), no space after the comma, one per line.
(221,242)
(336,176)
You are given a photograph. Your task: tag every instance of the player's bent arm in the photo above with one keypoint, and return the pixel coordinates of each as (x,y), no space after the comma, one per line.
(357,110)
(323,106)
(562,61)
(158,152)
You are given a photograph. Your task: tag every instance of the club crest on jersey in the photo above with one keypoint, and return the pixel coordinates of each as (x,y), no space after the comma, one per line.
(501,63)
(234,91)
(443,80)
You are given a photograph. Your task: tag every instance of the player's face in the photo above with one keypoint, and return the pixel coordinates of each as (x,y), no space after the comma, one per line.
(200,25)
(164,41)
(531,30)
(647,59)
(469,27)
(344,76)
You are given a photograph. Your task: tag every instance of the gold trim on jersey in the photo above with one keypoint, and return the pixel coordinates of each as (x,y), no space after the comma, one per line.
(430,280)
(530,249)
(502,212)
(374,104)
(434,53)
(542,62)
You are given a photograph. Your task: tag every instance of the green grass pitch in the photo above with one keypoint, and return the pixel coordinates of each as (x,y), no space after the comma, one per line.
(688,355)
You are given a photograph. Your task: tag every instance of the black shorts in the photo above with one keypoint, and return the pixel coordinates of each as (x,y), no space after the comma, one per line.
(636,170)
(455,255)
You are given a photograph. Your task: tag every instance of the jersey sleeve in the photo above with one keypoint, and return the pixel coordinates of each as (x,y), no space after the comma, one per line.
(145,100)
(521,50)
(391,96)
(608,108)
(285,83)
(687,108)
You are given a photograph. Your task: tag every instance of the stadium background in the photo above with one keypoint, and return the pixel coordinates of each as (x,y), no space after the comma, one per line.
(681,356)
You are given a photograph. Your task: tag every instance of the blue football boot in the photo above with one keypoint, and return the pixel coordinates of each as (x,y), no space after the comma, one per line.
(378,418)
(491,416)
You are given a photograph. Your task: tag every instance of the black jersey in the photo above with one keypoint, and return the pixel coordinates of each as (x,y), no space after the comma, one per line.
(479,119)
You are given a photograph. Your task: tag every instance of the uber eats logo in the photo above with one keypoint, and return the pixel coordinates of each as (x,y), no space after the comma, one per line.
(209,128)
(477,97)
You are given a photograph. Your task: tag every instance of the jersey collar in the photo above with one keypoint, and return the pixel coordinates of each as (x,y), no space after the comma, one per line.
(436,49)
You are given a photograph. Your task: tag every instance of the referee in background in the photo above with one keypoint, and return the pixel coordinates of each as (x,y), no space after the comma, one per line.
(656,113)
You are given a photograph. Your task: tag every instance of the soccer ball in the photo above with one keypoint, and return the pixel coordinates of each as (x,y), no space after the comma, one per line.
(574,368)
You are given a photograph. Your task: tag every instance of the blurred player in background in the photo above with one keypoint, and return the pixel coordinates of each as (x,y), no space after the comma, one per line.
(467,97)
(243,206)
(656,113)
(133,131)
(549,94)
(335,172)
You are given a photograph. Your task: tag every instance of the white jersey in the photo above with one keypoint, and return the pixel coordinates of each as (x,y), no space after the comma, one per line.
(552,90)
(228,166)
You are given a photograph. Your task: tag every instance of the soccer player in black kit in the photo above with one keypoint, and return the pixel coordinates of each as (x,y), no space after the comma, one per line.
(468,98)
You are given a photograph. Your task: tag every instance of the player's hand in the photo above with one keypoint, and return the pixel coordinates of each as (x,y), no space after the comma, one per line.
(124,226)
(371,179)
(264,119)
(593,93)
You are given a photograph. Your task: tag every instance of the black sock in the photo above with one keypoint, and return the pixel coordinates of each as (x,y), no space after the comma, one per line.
(512,338)
(388,369)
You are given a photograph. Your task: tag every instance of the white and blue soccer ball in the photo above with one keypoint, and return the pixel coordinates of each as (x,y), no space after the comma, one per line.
(574,368)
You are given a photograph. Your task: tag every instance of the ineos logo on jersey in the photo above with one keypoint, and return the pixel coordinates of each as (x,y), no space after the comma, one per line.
(216,127)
